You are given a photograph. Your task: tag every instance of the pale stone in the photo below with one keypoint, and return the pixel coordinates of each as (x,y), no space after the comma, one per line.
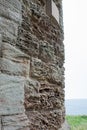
(55,11)
(9,26)
(14,61)
(11,94)
(6,79)
(13,68)
(12,53)
(15,122)
(11,10)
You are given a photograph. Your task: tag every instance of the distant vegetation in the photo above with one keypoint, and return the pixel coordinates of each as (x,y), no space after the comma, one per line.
(77,122)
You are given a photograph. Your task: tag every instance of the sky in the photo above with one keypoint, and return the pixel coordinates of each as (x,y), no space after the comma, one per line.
(75,29)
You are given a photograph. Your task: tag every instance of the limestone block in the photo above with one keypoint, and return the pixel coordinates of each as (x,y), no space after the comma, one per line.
(13,68)
(11,94)
(8,27)
(10,18)
(12,53)
(11,10)
(15,122)
(6,79)
(11,4)
(9,30)
(47,120)
(13,61)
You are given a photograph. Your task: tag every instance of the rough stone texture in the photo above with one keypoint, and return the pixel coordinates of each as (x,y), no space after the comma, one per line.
(31,66)
(14,67)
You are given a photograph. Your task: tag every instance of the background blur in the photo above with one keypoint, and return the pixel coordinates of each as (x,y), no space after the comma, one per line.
(75,27)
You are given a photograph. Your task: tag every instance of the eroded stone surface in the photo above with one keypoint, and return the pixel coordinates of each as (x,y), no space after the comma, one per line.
(31,66)
(50,120)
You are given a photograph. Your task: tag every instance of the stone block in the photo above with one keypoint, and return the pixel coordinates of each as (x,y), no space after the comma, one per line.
(14,68)
(11,10)
(9,30)
(11,94)
(13,61)
(8,27)
(6,79)
(15,122)
(12,53)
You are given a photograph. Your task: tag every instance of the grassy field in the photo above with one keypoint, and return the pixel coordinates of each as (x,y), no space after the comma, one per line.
(77,122)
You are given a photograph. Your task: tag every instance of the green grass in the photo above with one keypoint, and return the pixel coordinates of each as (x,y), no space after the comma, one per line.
(77,122)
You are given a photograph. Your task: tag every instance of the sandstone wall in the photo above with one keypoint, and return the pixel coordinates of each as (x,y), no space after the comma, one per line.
(31,66)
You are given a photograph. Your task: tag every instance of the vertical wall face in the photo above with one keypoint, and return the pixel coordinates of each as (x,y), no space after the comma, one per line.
(31,66)
(42,39)
(13,68)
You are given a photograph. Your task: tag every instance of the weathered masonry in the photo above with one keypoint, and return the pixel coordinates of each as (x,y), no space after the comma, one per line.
(31,65)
